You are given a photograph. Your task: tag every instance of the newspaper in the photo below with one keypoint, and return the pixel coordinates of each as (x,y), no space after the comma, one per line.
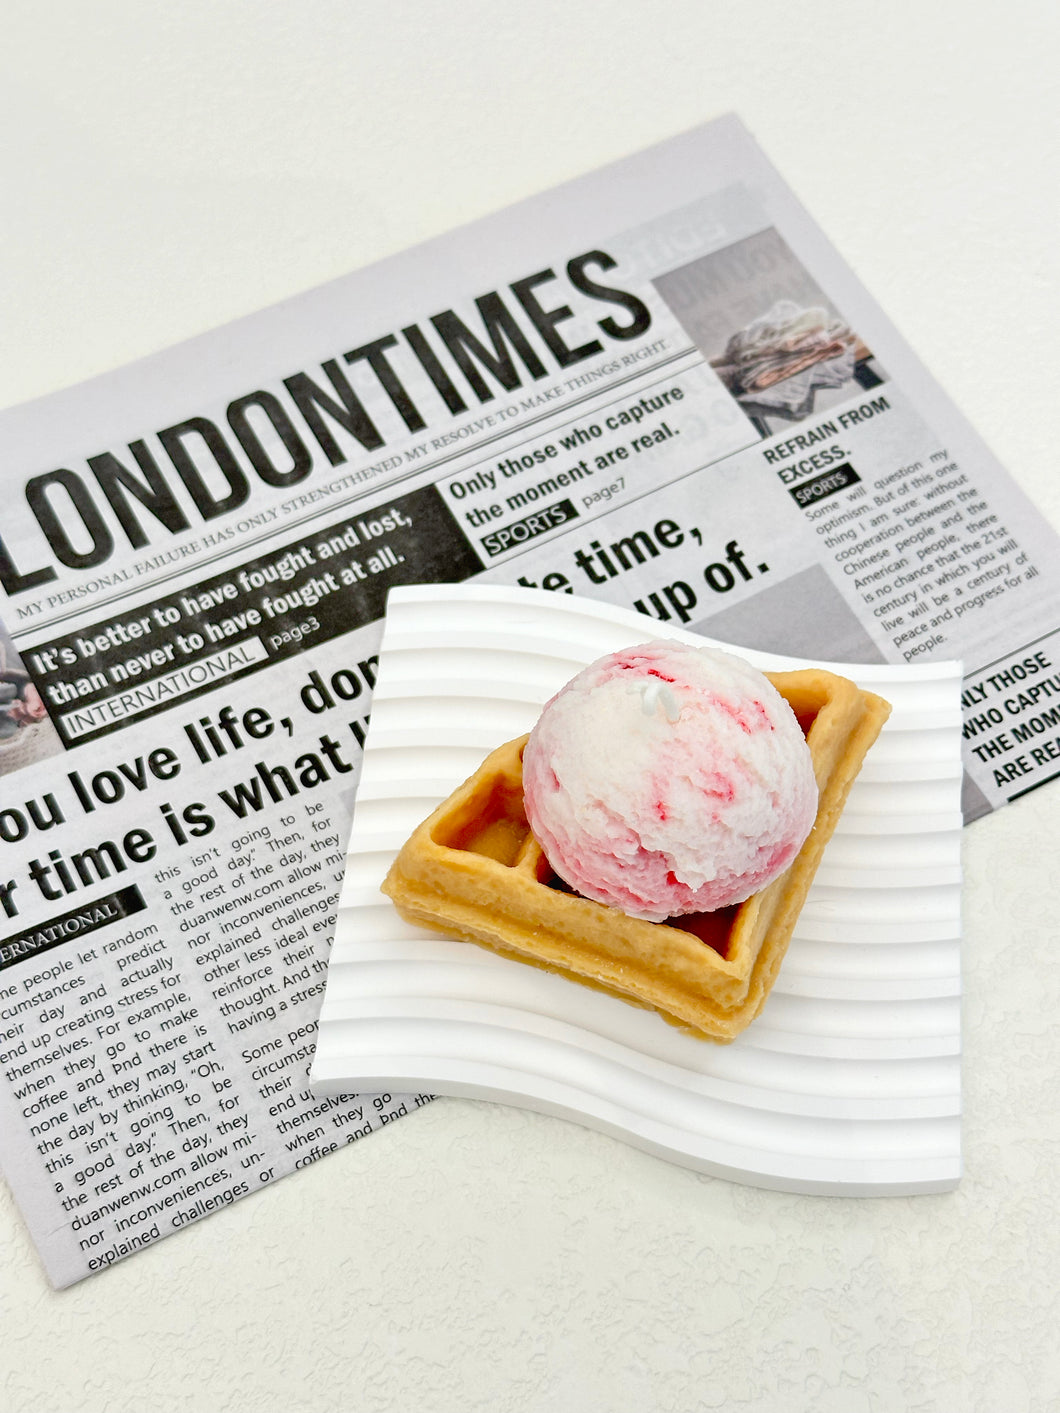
(657,384)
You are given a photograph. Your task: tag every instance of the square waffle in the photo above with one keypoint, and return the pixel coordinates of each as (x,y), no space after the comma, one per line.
(474,871)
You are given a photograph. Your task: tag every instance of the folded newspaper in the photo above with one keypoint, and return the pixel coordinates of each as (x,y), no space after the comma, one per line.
(657,385)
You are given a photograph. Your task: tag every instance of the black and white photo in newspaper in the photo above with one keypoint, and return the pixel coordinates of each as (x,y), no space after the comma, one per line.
(658,385)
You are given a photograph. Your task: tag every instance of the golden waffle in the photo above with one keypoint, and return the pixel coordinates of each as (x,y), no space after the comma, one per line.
(474,871)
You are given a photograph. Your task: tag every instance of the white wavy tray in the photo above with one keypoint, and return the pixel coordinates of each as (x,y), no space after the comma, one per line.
(848,1082)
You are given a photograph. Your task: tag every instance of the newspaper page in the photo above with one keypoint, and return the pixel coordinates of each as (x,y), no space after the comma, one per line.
(657,384)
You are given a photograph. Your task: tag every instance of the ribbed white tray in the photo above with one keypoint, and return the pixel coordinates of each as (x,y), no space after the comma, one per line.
(848,1082)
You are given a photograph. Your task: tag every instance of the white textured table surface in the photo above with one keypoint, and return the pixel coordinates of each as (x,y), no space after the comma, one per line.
(168,168)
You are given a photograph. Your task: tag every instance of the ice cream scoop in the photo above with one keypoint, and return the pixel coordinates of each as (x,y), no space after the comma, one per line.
(665,780)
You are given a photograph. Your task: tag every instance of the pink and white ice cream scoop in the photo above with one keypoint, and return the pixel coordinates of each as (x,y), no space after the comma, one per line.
(667,779)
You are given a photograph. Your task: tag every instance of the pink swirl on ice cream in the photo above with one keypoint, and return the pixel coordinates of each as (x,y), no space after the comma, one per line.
(667,779)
